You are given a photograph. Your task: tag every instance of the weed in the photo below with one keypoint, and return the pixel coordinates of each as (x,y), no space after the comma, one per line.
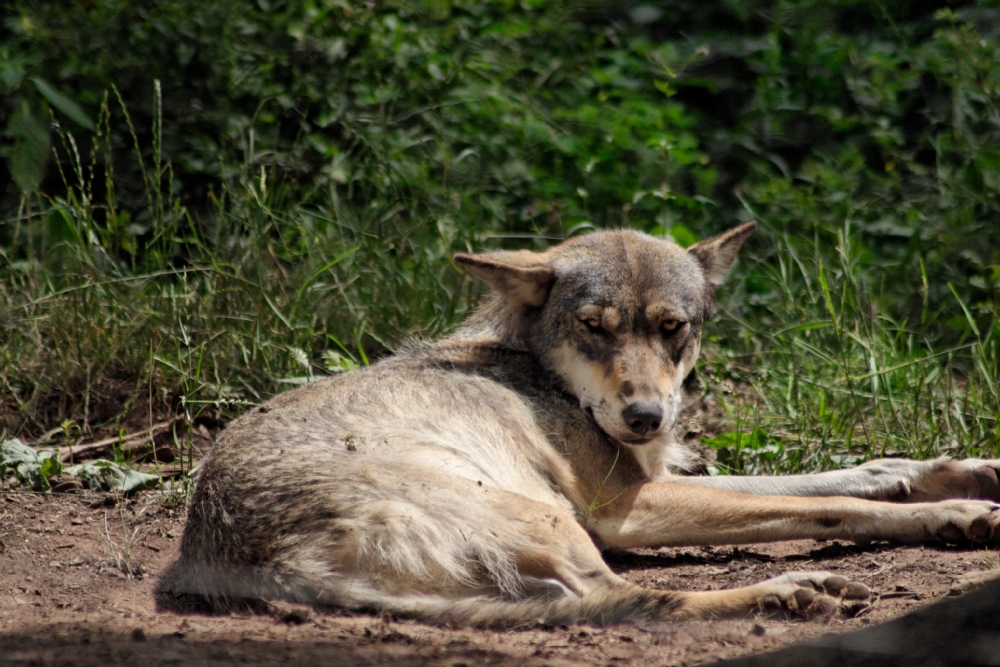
(121,554)
(175,498)
(594,504)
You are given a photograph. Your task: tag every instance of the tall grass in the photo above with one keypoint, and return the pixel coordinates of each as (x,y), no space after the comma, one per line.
(218,311)
(820,376)
(271,294)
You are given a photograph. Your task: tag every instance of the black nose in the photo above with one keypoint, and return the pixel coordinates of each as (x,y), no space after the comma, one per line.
(643,417)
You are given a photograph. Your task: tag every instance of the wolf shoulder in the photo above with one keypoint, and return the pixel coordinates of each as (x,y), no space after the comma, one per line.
(469,398)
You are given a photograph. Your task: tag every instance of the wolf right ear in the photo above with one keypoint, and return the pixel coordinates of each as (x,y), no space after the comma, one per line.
(523,277)
(716,254)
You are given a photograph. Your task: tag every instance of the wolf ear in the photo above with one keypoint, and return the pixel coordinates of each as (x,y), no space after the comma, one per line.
(521,276)
(716,254)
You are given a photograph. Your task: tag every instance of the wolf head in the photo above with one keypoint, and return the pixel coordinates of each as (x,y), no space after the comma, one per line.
(618,316)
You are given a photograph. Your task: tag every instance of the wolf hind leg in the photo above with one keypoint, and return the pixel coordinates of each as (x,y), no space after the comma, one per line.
(562,578)
(440,537)
(549,568)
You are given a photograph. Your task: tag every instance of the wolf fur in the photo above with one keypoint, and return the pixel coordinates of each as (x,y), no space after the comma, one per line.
(475,479)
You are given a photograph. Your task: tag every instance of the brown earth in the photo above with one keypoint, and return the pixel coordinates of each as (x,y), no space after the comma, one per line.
(65,601)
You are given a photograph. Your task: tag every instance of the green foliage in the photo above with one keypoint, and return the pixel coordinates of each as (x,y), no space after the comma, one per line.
(823,376)
(741,453)
(272,191)
(29,155)
(29,465)
(35,468)
(111,476)
(892,128)
(510,116)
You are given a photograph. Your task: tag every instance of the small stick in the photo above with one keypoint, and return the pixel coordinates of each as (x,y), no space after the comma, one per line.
(153,430)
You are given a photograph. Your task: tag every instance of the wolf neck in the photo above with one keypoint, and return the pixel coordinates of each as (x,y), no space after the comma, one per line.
(657,458)
(495,323)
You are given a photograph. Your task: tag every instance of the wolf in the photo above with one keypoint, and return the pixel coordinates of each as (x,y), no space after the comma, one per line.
(476,479)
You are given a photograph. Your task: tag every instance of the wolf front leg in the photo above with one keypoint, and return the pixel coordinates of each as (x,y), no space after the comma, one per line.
(672,514)
(899,480)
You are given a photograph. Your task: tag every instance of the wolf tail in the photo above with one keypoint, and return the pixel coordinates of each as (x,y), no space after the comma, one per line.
(224,590)
(620,604)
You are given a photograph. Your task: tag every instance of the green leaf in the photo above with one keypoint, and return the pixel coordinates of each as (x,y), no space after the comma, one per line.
(11,73)
(30,154)
(50,466)
(59,228)
(36,468)
(14,452)
(684,237)
(30,466)
(112,476)
(665,88)
(338,363)
(809,326)
(755,439)
(63,103)
(989,158)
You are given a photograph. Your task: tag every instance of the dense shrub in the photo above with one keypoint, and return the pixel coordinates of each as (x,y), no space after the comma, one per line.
(497,115)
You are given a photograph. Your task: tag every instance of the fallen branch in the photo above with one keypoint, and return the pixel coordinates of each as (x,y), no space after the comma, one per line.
(74,450)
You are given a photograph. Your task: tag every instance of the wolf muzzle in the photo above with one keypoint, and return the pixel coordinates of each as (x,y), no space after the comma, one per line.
(643,417)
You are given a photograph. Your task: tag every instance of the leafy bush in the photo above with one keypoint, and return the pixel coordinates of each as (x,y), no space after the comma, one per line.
(497,115)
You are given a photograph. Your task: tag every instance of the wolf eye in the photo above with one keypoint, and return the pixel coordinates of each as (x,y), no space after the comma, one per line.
(670,327)
(592,323)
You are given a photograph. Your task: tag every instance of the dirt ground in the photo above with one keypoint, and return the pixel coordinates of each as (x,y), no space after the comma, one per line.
(65,601)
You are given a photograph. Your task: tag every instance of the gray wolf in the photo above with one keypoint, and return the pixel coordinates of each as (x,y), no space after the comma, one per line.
(475,479)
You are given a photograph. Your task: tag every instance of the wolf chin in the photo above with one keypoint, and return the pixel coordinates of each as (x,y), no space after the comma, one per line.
(476,479)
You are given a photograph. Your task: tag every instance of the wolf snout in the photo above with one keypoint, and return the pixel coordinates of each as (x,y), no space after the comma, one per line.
(643,417)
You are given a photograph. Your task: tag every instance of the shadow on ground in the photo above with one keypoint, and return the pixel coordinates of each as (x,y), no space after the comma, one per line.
(49,647)
(957,631)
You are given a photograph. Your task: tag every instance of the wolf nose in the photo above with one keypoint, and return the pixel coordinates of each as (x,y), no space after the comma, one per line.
(643,417)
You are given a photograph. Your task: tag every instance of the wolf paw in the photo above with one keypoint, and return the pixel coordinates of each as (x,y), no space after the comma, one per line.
(941,479)
(965,522)
(812,595)
(968,478)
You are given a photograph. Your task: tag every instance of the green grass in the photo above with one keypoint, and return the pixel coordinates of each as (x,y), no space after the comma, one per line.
(820,376)
(810,369)
(269,294)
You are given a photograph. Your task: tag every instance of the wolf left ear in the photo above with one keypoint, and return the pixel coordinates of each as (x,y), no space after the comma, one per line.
(521,276)
(716,254)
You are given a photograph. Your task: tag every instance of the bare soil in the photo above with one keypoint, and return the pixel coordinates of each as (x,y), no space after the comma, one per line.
(65,601)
